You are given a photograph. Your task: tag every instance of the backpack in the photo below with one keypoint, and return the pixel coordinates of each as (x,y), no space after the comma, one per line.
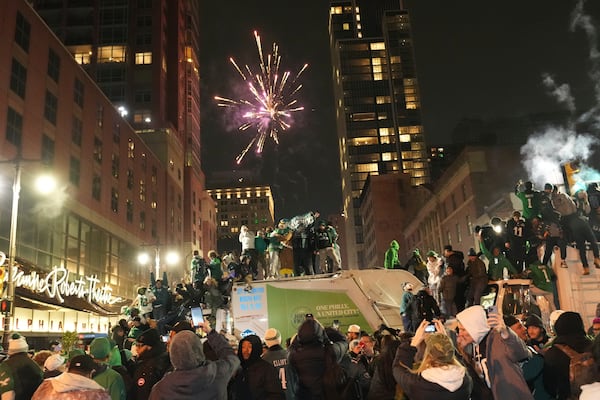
(583,369)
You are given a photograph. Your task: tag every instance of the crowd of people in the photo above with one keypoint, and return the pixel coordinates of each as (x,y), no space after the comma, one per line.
(450,347)
(485,355)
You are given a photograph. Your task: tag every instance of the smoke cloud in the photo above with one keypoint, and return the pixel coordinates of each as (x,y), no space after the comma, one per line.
(545,151)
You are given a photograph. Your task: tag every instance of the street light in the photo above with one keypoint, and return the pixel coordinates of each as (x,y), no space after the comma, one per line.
(171,258)
(47,185)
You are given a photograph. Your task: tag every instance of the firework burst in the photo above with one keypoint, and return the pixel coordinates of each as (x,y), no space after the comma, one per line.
(271,101)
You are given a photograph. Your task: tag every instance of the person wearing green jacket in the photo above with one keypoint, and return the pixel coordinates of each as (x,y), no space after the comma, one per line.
(543,278)
(105,376)
(391,256)
(497,262)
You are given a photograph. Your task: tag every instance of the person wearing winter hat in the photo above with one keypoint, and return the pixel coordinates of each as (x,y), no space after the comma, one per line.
(54,366)
(476,277)
(313,355)
(105,376)
(491,353)
(151,364)
(536,331)
(19,374)
(440,375)
(569,332)
(353,332)
(257,378)
(532,368)
(275,354)
(193,374)
(76,383)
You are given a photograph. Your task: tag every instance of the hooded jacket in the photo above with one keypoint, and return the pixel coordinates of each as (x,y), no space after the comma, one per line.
(571,332)
(448,383)
(257,379)
(210,378)
(70,386)
(306,360)
(391,255)
(498,357)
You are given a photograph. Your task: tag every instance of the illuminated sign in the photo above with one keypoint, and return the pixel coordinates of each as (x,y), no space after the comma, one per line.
(57,285)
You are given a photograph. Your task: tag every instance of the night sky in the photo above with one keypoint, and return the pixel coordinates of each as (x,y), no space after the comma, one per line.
(474,59)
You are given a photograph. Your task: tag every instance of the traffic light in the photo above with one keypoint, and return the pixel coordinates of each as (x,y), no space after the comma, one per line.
(4,305)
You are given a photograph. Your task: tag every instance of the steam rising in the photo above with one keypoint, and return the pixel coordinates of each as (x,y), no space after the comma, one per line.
(545,151)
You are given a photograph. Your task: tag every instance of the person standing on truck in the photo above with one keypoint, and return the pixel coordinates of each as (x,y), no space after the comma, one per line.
(477,276)
(324,239)
(390,259)
(456,260)
(407,304)
(162,302)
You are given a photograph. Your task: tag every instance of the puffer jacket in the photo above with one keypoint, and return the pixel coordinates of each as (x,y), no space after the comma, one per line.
(69,386)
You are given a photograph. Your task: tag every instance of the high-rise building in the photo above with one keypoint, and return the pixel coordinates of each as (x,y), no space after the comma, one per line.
(377,101)
(144,55)
(76,249)
(251,206)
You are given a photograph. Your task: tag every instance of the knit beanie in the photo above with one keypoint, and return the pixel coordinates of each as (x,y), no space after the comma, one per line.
(100,348)
(569,323)
(534,320)
(186,351)
(17,344)
(272,337)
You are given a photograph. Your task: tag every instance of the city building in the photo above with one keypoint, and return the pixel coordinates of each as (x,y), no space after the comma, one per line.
(144,56)
(245,205)
(479,185)
(383,209)
(118,194)
(377,103)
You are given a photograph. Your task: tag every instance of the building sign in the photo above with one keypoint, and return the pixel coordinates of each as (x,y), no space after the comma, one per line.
(58,285)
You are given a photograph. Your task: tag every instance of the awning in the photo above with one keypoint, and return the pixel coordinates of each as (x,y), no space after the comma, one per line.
(27,298)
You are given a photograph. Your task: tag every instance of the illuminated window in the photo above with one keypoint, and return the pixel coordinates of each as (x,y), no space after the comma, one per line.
(383,99)
(367,116)
(404,138)
(336,10)
(385,131)
(224,223)
(377,46)
(376,61)
(143,58)
(366,167)
(387,140)
(218,196)
(362,141)
(411,106)
(379,77)
(346,26)
(130,148)
(386,156)
(141,116)
(111,54)
(243,201)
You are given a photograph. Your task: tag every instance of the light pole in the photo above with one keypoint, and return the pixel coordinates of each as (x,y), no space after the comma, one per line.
(171,258)
(12,247)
